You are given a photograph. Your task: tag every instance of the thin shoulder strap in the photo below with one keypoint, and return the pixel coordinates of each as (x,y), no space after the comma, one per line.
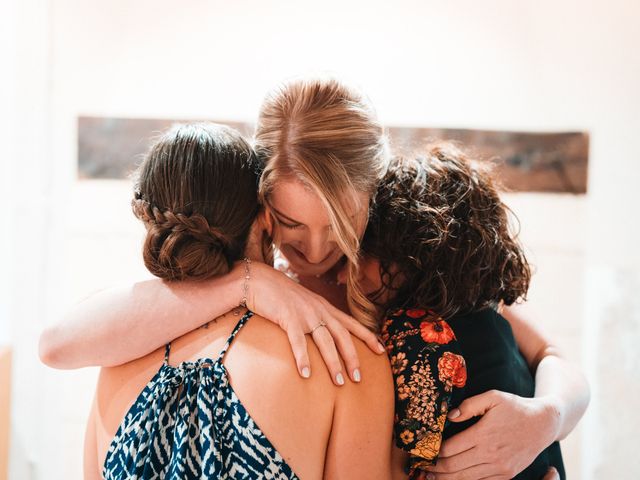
(167,351)
(237,328)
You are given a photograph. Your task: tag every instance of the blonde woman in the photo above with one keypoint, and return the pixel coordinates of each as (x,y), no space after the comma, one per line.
(323,152)
(224,401)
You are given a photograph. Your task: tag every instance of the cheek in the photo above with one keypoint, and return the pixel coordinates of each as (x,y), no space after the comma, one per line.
(286,235)
(373,275)
(370,276)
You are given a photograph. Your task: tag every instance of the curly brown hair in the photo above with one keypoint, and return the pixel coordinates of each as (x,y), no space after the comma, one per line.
(196,194)
(443,236)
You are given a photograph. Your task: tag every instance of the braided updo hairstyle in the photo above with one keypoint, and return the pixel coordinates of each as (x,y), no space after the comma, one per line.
(443,236)
(196,193)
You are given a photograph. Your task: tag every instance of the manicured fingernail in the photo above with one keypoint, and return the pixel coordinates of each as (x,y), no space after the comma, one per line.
(339,379)
(381,348)
(455,413)
(306,373)
(356,375)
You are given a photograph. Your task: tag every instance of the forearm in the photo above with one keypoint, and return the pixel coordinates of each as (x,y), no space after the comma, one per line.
(121,324)
(565,390)
(559,382)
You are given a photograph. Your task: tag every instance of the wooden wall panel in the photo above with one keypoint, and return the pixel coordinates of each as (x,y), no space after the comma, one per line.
(524,161)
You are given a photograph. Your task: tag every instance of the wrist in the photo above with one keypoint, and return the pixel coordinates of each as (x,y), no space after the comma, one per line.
(247,288)
(550,414)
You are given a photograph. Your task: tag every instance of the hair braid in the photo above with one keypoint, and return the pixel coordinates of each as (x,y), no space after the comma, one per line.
(180,246)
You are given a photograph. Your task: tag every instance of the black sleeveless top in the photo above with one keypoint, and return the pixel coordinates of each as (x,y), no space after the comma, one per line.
(437,364)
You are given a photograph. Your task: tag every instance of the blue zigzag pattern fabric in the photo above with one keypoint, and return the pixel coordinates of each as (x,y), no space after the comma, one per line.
(188,423)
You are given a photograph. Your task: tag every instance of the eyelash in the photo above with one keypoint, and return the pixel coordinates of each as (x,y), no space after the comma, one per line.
(289,226)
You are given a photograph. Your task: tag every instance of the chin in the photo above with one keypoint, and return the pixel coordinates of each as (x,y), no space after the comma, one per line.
(304,268)
(309,269)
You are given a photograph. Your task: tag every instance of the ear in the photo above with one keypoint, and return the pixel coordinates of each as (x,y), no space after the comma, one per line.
(262,230)
(266,219)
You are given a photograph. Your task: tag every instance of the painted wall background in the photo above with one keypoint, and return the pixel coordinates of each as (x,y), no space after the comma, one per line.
(543,66)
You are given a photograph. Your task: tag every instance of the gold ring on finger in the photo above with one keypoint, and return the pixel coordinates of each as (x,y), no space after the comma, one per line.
(321,324)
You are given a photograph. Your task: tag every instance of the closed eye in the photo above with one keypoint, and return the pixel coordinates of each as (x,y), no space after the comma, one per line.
(291,227)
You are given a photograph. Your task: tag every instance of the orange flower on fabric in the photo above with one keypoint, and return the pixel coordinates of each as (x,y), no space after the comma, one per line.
(436,332)
(398,363)
(416,313)
(428,447)
(452,370)
(406,436)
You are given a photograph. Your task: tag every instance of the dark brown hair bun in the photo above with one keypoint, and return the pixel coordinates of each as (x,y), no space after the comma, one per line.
(196,194)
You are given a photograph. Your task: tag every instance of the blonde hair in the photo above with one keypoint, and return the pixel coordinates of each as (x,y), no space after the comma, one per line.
(326,135)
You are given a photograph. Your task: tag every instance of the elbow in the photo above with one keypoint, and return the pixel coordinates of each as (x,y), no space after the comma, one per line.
(51,348)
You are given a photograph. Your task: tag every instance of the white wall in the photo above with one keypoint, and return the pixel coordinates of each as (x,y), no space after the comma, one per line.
(546,65)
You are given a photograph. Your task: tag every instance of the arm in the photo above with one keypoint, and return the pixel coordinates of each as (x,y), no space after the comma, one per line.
(359,445)
(514,430)
(119,325)
(559,382)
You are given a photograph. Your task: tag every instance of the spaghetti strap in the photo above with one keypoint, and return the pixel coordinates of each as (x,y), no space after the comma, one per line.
(189,422)
(167,350)
(235,331)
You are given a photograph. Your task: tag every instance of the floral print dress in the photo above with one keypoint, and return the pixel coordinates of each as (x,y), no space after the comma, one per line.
(436,364)
(427,366)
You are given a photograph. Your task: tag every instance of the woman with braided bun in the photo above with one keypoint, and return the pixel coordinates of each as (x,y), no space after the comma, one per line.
(219,402)
(323,153)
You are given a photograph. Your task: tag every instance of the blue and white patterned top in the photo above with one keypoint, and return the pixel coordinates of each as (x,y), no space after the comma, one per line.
(188,423)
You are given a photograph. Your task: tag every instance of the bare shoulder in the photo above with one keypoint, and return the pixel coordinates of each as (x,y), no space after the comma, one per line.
(265,339)
(376,374)
(119,386)
(378,363)
(261,342)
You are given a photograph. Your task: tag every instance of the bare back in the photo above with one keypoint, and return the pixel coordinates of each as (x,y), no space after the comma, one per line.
(319,429)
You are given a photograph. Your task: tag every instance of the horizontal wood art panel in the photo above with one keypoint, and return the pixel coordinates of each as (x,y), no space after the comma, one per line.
(526,162)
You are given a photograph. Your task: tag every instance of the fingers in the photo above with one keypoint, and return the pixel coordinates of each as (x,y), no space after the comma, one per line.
(456,463)
(473,406)
(298,343)
(552,474)
(476,472)
(459,443)
(323,340)
(301,314)
(347,349)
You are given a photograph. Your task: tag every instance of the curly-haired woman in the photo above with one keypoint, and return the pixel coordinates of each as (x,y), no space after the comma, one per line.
(441,260)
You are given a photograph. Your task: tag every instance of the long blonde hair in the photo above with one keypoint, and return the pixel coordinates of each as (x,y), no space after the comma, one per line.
(326,135)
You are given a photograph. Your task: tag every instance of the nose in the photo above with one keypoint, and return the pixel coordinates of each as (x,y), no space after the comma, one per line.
(317,249)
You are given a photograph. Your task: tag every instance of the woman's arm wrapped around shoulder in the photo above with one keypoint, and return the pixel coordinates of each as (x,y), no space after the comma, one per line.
(121,324)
